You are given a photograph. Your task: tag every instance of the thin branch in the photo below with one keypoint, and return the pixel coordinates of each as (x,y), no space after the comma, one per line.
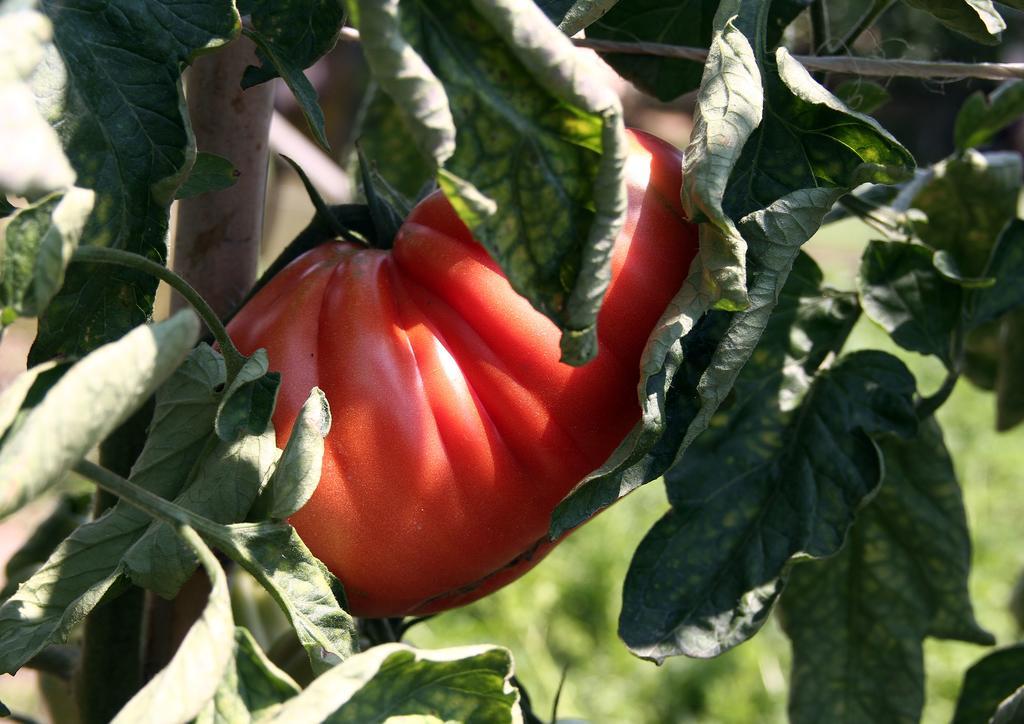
(878,67)
(881,67)
(233,359)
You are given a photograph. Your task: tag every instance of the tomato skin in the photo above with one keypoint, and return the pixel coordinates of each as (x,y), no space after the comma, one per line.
(457,430)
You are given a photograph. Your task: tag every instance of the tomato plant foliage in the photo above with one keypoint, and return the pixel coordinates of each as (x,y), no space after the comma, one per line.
(803,477)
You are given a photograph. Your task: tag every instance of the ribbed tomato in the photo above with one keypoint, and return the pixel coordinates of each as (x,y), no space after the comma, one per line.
(457,430)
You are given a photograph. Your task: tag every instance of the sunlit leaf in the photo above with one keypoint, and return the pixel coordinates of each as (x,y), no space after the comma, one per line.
(36,248)
(298,470)
(304,92)
(977,19)
(862,96)
(460,684)
(33,161)
(308,594)
(968,200)
(87,565)
(252,688)
(248,402)
(222,488)
(90,400)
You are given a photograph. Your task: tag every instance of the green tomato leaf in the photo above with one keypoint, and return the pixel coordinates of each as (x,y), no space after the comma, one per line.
(1010,375)
(977,19)
(752,511)
(729,109)
(249,401)
(558,10)
(192,678)
(36,248)
(311,598)
(989,682)
(706,357)
(71,511)
(810,139)
(1006,265)
(33,162)
(858,620)
(221,488)
(88,563)
(302,31)
(807,151)
(662,615)
(774,236)
(861,95)
(980,119)
(903,293)
(946,265)
(298,470)
(252,689)
(58,596)
(297,82)
(111,86)
(669,403)
(25,392)
(91,399)
(687,23)
(967,201)
(807,139)
(528,151)
(210,172)
(386,142)
(572,17)
(470,684)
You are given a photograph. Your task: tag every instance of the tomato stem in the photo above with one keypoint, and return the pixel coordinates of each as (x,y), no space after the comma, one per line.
(233,359)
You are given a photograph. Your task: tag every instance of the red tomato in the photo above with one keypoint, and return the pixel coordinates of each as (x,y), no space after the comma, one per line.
(457,430)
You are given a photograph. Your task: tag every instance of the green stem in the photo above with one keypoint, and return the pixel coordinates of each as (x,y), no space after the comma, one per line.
(149,503)
(233,359)
(927,406)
